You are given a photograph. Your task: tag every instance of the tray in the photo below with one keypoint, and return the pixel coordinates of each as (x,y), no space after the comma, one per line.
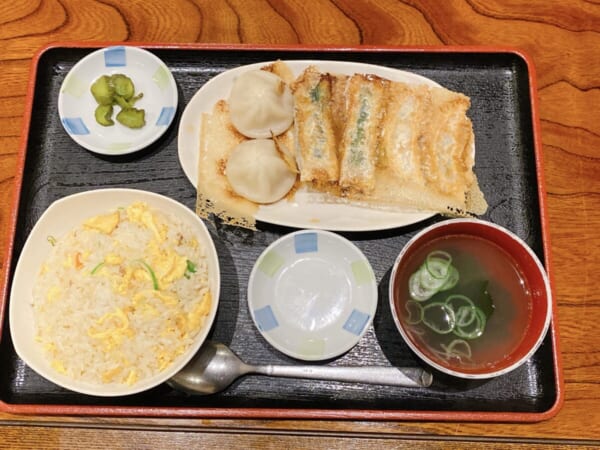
(501,84)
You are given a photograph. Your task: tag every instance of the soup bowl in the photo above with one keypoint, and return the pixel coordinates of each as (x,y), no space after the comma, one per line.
(470,298)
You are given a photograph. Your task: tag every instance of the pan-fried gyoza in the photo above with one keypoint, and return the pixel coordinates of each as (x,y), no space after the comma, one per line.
(424,154)
(368,141)
(365,105)
(316,152)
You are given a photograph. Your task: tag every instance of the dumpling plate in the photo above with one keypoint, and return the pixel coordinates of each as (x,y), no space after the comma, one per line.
(306,210)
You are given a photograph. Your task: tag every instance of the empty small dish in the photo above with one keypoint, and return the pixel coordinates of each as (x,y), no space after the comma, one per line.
(150,77)
(312,294)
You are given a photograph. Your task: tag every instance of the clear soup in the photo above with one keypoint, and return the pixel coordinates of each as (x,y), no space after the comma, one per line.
(491,279)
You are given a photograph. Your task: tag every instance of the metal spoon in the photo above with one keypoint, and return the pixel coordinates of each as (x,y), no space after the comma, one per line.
(215,367)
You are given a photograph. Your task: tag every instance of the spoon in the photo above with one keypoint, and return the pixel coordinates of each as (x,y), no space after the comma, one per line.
(215,367)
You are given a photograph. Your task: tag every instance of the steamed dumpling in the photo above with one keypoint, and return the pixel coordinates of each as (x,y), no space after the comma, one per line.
(261,104)
(256,171)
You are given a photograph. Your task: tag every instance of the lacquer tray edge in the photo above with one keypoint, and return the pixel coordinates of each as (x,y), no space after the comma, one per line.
(283,413)
(541,185)
(16,194)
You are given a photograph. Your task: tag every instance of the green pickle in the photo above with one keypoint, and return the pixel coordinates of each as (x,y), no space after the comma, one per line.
(123,85)
(117,89)
(103,115)
(124,103)
(103,90)
(132,117)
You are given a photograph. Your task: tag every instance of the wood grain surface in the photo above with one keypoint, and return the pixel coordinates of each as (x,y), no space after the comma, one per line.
(562,37)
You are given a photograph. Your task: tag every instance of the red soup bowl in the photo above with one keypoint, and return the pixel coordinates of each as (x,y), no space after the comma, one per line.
(470,298)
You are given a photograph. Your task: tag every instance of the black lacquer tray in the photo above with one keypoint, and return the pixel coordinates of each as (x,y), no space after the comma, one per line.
(501,86)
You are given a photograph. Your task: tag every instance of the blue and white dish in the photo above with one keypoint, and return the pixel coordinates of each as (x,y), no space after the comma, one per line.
(150,75)
(312,295)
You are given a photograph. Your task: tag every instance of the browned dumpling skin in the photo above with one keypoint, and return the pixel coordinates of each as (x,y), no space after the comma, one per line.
(316,152)
(366,99)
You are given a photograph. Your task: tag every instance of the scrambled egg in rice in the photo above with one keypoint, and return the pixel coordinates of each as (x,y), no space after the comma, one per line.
(121,296)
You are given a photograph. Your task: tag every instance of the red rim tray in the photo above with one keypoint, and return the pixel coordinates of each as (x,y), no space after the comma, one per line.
(502,85)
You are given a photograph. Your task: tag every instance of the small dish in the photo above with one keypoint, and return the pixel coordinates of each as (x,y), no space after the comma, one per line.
(60,218)
(470,298)
(312,294)
(150,76)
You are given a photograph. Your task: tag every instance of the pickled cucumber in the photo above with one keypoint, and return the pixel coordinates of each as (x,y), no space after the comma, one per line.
(123,85)
(103,115)
(103,91)
(124,103)
(117,89)
(132,117)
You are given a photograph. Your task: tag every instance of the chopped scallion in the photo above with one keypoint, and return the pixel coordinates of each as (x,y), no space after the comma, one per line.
(152,274)
(96,267)
(457,313)
(439,317)
(190,268)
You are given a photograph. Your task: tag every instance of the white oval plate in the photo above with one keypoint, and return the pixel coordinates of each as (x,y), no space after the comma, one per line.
(312,294)
(150,76)
(61,217)
(304,211)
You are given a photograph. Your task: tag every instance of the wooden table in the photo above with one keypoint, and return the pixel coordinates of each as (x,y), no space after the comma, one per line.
(563,38)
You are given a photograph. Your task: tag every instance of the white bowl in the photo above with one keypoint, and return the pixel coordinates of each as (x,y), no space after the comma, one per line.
(150,76)
(62,216)
(312,294)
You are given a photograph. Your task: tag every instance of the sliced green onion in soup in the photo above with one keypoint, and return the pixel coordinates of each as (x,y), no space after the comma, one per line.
(416,290)
(465,315)
(439,317)
(437,264)
(474,329)
(451,280)
(455,301)
(415,312)
(458,347)
(428,281)
(443,355)
(458,314)
(436,274)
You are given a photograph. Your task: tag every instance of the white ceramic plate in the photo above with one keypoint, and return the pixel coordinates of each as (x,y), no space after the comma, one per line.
(62,216)
(312,294)
(150,76)
(304,211)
